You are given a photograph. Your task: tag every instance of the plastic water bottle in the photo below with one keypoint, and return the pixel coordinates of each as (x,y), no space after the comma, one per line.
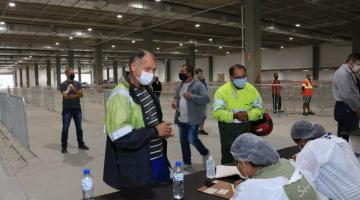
(178,181)
(210,168)
(87,185)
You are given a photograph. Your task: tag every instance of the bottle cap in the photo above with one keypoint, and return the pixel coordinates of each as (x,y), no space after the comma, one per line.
(178,164)
(210,158)
(86,171)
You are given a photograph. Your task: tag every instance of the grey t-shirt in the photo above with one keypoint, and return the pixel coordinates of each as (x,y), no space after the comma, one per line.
(70,103)
(183,104)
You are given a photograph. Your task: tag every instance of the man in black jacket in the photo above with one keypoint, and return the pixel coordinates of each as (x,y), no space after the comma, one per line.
(136,147)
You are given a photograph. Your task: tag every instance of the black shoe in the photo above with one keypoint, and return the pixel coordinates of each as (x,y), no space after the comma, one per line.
(305,114)
(83,147)
(63,150)
(203,132)
(311,113)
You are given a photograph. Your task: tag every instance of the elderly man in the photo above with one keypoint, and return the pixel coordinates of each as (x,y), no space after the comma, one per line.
(236,104)
(136,147)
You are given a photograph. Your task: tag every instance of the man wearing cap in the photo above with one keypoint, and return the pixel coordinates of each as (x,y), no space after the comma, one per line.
(237,103)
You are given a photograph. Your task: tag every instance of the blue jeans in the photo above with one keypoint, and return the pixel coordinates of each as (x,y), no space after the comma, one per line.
(66,119)
(189,135)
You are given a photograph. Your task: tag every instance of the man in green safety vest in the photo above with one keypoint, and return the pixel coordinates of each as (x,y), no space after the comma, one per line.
(236,104)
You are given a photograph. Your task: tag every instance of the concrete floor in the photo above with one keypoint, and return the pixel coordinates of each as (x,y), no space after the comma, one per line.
(53,175)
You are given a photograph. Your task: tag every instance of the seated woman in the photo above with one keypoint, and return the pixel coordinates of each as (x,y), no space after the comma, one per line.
(267,177)
(327,161)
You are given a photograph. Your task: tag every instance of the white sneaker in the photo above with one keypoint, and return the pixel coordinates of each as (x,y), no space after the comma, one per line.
(205,158)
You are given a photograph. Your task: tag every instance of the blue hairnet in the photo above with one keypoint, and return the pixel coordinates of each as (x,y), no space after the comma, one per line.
(306,130)
(252,148)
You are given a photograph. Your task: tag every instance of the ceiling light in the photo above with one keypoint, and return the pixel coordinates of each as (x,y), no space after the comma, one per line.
(197,25)
(70,38)
(106,58)
(181,44)
(196,50)
(12,4)
(78,33)
(281,47)
(305,70)
(220,47)
(57,43)
(137,5)
(272,27)
(158,48)
(297,25)
(228,52)
(133,41)
(157,0)
(2,23)
(113,46)
(119,16)
(210,39)
(30,56)
(89,29)
(291,38)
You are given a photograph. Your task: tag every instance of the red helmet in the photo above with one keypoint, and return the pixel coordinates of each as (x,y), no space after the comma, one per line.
(262,127)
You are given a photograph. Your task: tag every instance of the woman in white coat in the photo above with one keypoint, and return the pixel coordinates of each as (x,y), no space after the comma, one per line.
(267,177)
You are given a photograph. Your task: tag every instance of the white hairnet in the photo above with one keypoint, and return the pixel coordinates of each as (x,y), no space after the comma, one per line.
(306,130)
(252,148)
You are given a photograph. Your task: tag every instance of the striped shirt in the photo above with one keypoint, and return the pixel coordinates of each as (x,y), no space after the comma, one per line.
(151,119)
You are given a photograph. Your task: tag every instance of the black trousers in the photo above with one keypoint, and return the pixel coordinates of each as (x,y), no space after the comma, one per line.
(228,134)
(276,102)
(346,118)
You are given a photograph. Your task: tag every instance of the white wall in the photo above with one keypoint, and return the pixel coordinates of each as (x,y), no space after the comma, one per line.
(333,56)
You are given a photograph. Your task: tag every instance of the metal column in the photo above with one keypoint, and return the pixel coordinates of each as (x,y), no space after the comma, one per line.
(98,71)
(57,70)
(71,59)
(27,76)
(316,62)
(48,73)
(192,55)
(115,72)
(36,73)
(21,78)
(168,70)
(211,70)
(252,40)
(79,72)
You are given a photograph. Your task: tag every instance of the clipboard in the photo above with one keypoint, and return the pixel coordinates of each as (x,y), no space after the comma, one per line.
(220,188)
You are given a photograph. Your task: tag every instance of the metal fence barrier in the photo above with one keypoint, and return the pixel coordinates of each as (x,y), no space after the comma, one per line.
(13,118)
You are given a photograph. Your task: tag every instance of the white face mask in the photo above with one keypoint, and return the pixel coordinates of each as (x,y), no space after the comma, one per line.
(245,177)
(355,68)
(146,78)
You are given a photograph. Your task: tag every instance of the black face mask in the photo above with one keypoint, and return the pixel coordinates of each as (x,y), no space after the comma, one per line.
(72,76)
(183,77)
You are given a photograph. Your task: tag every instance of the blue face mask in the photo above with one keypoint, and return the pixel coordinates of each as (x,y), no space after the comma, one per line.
(240,83)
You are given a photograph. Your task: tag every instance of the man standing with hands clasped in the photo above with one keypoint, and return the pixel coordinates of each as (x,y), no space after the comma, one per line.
(72,92)
(136,144)
(236,104)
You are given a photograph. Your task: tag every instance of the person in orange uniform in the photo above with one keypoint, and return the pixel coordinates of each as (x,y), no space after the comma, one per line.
(307,92)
